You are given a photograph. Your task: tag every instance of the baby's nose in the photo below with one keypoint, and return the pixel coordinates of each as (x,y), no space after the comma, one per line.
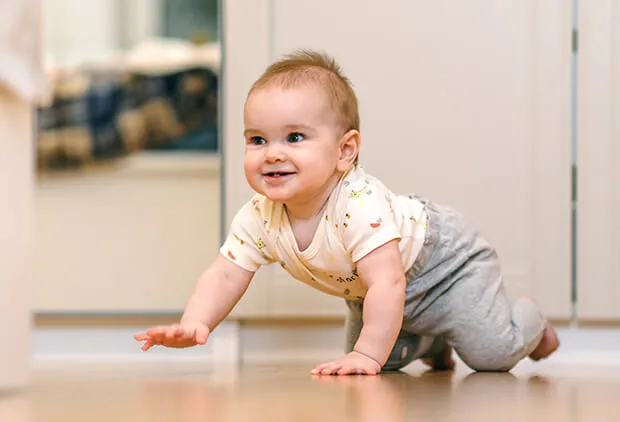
(274,152)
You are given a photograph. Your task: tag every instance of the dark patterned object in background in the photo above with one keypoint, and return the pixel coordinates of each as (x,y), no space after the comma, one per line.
(63,137)
(100,115)
(175,105)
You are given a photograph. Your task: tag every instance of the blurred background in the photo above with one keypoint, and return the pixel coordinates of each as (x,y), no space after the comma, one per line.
(507,111)
(128,186)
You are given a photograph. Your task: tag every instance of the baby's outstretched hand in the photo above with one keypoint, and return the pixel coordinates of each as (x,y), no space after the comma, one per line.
(187,334)
(352,364)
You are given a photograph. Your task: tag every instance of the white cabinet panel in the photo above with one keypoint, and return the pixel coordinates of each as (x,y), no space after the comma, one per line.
(598,218)
(245,55)
(127,236)
(466,103)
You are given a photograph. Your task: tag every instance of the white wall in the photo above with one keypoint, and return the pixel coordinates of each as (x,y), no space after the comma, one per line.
(77,31)
(141,20)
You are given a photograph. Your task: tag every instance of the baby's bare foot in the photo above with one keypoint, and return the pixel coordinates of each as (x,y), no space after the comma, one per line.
(548,344)
(442,361)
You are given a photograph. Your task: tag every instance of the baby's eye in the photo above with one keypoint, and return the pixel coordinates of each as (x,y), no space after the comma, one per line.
(295,137)
(256,140)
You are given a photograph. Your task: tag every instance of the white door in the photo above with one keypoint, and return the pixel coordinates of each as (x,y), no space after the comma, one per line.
(466,103)
(598,217)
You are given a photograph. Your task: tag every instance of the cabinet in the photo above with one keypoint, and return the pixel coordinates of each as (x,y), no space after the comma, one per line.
(465,103)
(130,236)
(598,161)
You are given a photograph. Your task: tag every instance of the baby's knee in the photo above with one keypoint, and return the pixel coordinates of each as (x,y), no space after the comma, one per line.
(496,358)
(408,347)
(491,365)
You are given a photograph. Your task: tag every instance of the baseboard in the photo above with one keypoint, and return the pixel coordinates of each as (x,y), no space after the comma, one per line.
(237,342)
(292,342)
(96,346)
(306,343)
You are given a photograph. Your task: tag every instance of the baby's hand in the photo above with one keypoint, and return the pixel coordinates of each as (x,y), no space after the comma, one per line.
(352,363)
(187,334)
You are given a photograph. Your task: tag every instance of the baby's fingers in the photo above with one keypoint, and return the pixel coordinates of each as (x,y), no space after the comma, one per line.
(174,332)
(157,331)
(147,345)
(150,340)
(141,336)
(201,334)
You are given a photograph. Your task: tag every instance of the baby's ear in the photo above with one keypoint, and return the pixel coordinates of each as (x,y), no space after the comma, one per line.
(349,146)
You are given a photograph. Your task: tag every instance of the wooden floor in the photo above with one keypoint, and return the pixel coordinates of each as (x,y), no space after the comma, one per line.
(290,393)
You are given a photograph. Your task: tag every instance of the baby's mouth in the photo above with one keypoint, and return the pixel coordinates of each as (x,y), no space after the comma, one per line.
(278,173)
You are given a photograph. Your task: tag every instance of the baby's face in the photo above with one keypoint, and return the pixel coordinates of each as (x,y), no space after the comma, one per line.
(292,143)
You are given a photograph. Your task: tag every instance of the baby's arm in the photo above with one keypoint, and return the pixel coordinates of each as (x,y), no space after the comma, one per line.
(382,271)
(217,291)
(220,287)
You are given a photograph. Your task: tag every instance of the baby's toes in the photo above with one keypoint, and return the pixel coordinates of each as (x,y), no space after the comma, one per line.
(349,370)
(317,369)
(331,369)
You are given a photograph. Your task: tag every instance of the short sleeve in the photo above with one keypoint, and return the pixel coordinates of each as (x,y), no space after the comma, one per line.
(246,242)
(366,220)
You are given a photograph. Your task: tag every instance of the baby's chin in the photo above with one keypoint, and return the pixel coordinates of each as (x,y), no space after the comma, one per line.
(275,194)
(282,197)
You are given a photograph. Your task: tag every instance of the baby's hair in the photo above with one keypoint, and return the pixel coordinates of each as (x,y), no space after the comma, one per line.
(303,66)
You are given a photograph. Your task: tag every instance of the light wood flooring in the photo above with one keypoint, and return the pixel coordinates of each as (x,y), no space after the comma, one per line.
(290,393)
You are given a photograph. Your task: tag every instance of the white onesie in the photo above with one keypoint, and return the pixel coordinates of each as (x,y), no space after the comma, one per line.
(361,214)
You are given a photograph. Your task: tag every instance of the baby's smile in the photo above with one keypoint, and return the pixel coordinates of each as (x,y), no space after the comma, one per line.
(278,176)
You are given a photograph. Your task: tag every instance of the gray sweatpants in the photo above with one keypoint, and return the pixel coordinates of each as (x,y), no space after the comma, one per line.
(455,296)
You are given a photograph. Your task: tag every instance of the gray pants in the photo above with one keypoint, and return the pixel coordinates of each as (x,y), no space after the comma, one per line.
(455,296)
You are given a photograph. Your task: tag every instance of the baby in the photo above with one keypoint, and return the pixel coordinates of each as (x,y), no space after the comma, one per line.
(418,281)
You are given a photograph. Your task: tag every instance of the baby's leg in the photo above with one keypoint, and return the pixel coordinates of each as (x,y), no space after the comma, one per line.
(548,344)
(407,348)
(353,324)
(497,334)
(440,359)
(476,317)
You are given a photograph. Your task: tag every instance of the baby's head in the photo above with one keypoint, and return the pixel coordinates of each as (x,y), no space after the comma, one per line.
(301,127)
(320,71)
